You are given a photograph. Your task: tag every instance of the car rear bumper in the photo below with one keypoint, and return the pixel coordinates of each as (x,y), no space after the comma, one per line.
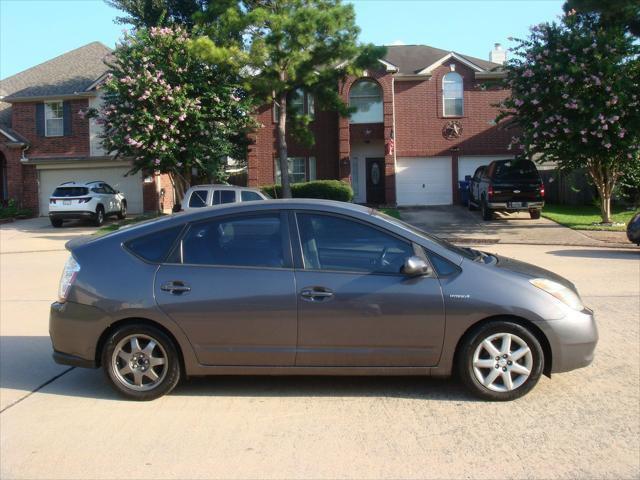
(71,215)
(523,205)
(75,330)
(573,340)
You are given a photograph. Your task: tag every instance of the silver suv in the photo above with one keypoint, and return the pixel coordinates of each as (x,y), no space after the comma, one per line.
(200,196)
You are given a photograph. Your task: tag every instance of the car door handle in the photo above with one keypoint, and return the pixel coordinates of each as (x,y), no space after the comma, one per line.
(175,287)
(316,294)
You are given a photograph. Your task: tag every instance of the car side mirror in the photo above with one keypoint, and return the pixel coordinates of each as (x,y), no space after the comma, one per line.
(415,267)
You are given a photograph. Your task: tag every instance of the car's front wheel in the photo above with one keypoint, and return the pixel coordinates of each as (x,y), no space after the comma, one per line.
(500,361)
(141,362)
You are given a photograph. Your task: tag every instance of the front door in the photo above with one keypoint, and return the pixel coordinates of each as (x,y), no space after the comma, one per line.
(232,290)
(375,180)
(355,308)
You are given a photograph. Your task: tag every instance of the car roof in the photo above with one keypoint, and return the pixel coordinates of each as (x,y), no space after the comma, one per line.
(223,186)
(79,184)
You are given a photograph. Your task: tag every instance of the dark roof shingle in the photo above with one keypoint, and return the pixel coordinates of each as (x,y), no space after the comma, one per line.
(410,59)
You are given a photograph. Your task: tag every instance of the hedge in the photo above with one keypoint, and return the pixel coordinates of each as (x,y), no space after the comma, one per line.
(325,189)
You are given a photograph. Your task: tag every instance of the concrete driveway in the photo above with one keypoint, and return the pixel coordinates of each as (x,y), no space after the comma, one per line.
(458,224)
(59,422)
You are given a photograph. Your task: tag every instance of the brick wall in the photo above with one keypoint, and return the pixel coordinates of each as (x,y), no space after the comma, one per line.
(77,144)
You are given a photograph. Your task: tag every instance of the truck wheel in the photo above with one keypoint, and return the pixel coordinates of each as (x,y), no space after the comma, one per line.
(487,213)
(535,213)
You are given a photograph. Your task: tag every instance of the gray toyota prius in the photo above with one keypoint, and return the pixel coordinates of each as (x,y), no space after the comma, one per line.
(300,287)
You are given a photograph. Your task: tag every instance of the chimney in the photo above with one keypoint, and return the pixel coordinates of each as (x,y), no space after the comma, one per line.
(498,54)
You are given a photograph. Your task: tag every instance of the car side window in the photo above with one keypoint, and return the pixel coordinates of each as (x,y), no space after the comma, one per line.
(248,196)
(443,267)
(248,241)
(224,196)
(198,199)
(108,189)
(99,188)
(154,246)
(340,244)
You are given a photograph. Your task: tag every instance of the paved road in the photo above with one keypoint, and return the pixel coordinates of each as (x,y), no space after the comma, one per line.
(581,424)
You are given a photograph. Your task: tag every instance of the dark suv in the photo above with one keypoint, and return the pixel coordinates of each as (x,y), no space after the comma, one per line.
(508,186)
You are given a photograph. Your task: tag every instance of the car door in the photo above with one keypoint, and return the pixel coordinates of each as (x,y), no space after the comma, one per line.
(355,307)
(114,201)
(230,286)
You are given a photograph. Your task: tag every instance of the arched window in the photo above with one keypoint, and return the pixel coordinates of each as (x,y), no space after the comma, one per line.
(366,96)
(452,95)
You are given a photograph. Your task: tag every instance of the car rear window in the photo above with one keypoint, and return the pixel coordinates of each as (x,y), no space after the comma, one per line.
(154,247)
(248,196)
(515,170)
(70,191)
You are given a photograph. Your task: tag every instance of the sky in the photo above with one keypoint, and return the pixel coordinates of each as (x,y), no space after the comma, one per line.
(33,31)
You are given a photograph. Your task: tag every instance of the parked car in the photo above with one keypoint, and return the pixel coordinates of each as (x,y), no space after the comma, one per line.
(207,195)
(310,287)
(508,186)
(91,200)
(633,229)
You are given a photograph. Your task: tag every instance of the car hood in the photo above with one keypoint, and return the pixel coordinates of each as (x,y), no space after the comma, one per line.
(531,271)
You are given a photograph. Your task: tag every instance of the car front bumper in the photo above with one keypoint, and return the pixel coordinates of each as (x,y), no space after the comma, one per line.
(573,340)
(510,205)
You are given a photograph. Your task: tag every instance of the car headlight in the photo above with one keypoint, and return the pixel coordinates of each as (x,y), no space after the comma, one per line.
(562,293)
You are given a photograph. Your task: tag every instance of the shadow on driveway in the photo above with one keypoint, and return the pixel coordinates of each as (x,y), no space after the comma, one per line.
(608,254)
(90,383)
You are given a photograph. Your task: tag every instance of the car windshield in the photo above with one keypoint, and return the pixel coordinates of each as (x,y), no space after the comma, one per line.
(468,253)
(515,170)
(70,191)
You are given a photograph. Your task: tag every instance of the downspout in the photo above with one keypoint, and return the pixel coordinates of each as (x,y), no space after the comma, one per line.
(395,134)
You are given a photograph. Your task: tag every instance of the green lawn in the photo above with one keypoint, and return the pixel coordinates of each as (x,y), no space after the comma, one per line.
(582,217)
(116,226)
(392,212)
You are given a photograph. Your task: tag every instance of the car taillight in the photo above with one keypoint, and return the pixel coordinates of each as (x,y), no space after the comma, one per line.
(490,191)
(542,191)
(52,201)
(69,274)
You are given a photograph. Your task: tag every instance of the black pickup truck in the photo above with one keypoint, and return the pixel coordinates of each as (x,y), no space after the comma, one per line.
(508,186)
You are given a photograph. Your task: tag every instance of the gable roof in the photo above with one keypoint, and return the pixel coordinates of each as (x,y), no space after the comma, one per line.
(413,59)
(68,74)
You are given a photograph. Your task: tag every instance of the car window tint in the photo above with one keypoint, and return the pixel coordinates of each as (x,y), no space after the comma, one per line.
(155,246)
(515,170)
(248,196)
(443,267)
(253,241)
(108,189)
(198,199)
(224,196)
(70,191)
(334,243)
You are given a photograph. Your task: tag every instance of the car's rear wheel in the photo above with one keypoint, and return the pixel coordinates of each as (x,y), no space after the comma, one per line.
(535,213)
(487,213)
(98,218)
(123,211)
(500,361)
(56,222)
(141,362)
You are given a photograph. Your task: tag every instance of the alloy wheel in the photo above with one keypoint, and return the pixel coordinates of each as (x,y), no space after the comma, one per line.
(502,362)
(139,362)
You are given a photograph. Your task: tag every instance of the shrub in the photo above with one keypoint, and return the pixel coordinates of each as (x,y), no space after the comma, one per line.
(13,211)
(324,189)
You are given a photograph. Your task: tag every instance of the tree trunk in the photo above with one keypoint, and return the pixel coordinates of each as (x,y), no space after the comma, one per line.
(181,183)
(605,181)
(605,208)
(282,147)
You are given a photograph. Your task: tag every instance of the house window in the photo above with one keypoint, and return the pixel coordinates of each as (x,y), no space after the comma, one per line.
(366,97)
(54,119)
(452,95)
(300,103)
(301,169)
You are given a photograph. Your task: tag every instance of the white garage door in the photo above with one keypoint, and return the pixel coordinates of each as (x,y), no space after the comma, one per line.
(424,181)
(467,165)
(131,185)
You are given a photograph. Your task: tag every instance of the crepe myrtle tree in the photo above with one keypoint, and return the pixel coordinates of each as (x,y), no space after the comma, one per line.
(575,96)
(169,111)
(289,46)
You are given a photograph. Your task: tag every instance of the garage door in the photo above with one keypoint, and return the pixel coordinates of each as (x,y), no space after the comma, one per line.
(467,165)
(131,186)
(424,181)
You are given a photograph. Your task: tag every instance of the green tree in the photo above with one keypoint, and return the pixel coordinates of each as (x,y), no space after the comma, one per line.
(575,95)
(624,13)
(169,111)
(293,45)
(153,13)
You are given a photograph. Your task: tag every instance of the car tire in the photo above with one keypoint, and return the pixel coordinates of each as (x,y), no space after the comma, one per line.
(128,359)
(122,214)
(56,222)
(487,213)
(485,351)
(535,213)
(98,218)
(471,205)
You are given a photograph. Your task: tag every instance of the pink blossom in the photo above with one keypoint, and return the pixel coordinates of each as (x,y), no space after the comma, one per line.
(518,102)
(607,145)
(528,73)
(157,161)
(622,133)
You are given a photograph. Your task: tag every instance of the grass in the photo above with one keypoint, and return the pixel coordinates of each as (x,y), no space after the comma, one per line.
(392,212)
(582,217)
(128,221)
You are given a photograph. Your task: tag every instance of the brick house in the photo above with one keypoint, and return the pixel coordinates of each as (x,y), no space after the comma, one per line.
(424,120)
(46,140)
